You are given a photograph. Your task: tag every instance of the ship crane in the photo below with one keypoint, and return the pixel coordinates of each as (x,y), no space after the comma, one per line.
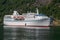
(17,16)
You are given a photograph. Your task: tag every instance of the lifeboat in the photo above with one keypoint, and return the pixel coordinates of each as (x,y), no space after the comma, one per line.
(19,17)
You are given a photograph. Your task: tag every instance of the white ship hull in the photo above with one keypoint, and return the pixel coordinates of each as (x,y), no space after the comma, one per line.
(31,23)
(29,19)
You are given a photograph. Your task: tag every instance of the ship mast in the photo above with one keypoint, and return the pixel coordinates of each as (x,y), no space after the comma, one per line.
(37,11)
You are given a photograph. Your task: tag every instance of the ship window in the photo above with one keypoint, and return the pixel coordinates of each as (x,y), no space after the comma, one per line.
(7,16)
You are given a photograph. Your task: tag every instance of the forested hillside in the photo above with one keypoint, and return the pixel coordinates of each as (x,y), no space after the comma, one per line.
(48,7)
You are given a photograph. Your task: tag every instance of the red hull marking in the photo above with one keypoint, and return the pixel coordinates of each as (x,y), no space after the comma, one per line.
(36,26)
(27,26)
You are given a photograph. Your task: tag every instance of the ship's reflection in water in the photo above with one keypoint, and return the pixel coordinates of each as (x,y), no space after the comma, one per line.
(15,33)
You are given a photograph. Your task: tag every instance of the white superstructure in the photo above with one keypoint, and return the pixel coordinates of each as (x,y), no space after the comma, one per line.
(28,19)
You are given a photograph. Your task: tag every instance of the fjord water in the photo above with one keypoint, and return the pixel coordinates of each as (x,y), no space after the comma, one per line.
(29,34)
(15,33)
(1,32)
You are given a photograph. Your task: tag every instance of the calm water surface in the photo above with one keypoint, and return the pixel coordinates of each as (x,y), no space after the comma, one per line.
(29,34)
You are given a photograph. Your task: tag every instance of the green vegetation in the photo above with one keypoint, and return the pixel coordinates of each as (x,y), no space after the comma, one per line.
(7,7)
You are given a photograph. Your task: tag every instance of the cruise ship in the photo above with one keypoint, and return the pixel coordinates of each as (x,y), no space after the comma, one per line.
(27,19)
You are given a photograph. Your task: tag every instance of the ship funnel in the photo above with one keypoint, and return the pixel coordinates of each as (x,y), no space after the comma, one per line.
(15,13)
(37,10)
